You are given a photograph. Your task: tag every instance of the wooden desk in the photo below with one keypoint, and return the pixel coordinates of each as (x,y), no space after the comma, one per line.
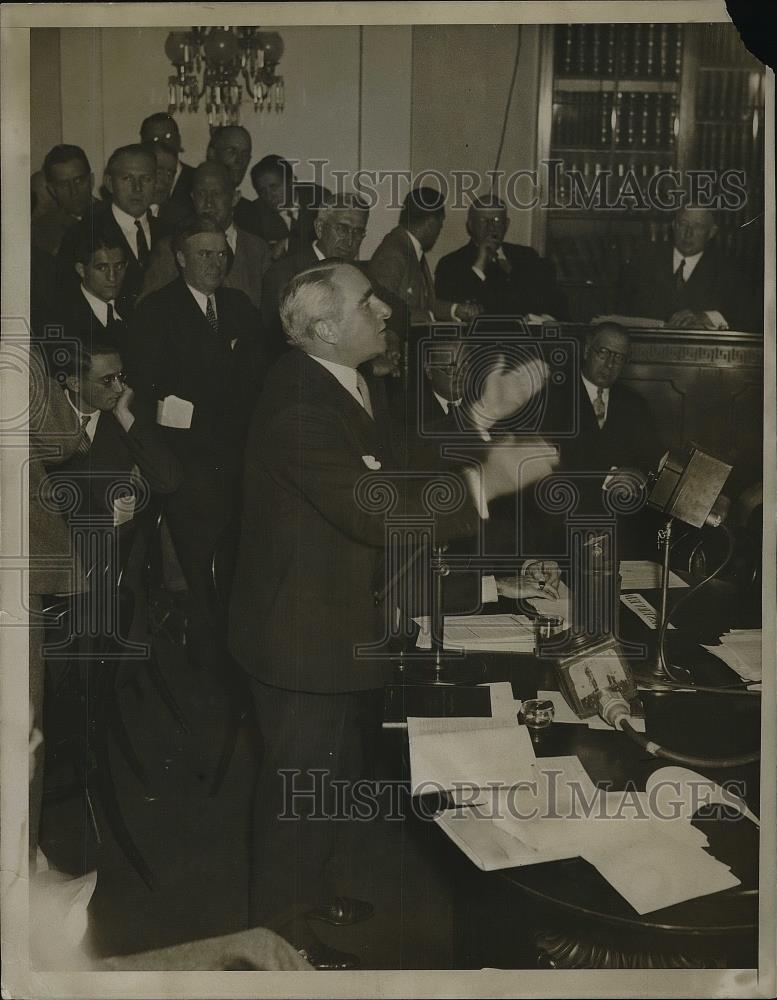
(566,910)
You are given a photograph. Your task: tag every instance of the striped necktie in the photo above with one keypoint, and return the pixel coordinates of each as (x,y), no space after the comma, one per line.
(600,411)
(364,392)
(84,441)
(210,315)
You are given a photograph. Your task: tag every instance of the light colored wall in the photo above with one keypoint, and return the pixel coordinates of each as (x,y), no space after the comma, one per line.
(461,77)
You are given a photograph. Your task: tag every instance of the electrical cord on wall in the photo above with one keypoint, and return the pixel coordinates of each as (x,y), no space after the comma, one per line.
(509,100)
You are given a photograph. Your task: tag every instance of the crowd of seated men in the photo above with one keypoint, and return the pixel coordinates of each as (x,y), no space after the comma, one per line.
(158,311)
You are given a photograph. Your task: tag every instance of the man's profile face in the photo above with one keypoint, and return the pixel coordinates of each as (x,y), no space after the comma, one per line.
(162,131)
(430,231)
(487,225)
(101,386)
(693,229)
(340,233)
(233,149)
(271,189)
(71,186)
(605,356)
(131,182)
(361,325)
(203,261)
(104,273)
(213,200)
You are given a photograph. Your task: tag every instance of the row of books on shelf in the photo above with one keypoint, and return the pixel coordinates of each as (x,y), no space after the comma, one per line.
(731,147)
(626,119)
(729,94)
(721,46)
(634,51)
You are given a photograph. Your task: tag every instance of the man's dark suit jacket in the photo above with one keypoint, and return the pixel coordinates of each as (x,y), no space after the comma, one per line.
(259,218)
(102,219)
(111,457)
(529,288)
(311,555)
(716,283)
(182,189)
(172,350)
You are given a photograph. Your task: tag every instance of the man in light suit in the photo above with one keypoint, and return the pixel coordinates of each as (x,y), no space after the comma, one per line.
(130,178)
(195,351)
(506,279)
(311,558)
(399,264)
(214,197)
(689,284)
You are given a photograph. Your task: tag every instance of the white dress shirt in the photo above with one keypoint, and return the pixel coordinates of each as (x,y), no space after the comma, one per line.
(690,263)
(98,307)
(202,300)
(321,256)
(127,225)
(347,377)
(94,416)
(592,391)
(231,234)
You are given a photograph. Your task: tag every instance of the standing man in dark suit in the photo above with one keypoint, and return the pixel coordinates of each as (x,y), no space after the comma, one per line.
(689,284)
(310,560)
(130,177)
(69,180)
(214,197)
(195,353)
(286,209)
(399,264)
(506,279)
(230,145)
(163,128)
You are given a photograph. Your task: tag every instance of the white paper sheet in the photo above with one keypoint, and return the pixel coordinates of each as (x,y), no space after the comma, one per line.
(483,633)
(642,609)
(641,574)
(172,411)
(464,752)
(741,650)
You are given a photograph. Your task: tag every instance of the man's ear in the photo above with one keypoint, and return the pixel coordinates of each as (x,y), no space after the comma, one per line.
(317,227)
(80,270)
(235,197)
(180,259)
(73,382)
(325,331)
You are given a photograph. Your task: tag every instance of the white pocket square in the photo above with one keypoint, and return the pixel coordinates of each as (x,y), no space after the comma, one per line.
(371,462)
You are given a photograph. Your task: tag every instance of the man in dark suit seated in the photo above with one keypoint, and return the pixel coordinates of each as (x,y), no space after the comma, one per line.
(163,128)
(69,181)
(614,432)
(196,354)
(689,284)
(214,197)
(311,558)
(130,177)
(119,440)
(399,264)
(285,207)
(506,279)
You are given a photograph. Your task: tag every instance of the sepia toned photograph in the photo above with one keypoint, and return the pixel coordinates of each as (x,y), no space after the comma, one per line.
(388,501)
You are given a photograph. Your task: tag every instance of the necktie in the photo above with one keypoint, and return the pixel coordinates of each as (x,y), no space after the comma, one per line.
(364,392)
(112,317)
(84,442)
(143,249)
(599,408)
(210,315)
(428,286)
(679,276)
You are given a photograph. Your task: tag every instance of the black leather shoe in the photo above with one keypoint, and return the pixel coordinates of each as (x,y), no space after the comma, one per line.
(327,959)
(343,912)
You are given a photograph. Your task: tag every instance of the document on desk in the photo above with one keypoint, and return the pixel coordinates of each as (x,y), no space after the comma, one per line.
(642,574)
(481,633)
(642,609)
(458,753)
(741,650)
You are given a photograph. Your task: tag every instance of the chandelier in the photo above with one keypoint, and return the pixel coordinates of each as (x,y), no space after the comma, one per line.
(216,65)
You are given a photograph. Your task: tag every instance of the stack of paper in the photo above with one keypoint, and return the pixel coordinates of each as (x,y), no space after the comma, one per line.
(630,322)
(641,574)
(483,633)
(741,650)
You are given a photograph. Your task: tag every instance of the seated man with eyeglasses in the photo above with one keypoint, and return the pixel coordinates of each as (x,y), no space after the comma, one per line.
(195,353)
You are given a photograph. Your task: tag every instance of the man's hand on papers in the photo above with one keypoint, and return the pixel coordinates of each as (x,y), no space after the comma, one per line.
(523,588)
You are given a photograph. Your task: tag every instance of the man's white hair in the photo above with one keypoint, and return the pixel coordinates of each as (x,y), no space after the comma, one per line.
(343,202)
(309,297)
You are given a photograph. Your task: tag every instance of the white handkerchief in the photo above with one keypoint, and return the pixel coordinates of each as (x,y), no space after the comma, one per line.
(371,462)
(172,411)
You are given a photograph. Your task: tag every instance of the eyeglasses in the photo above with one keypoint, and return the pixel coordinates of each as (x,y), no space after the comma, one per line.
(108,380)
(108,269)
(213,254)
(605,354)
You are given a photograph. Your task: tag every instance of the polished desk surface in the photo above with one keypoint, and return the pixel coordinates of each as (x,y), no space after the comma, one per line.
(695,723)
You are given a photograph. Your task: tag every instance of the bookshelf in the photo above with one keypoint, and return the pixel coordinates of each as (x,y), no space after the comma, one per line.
(620,106)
